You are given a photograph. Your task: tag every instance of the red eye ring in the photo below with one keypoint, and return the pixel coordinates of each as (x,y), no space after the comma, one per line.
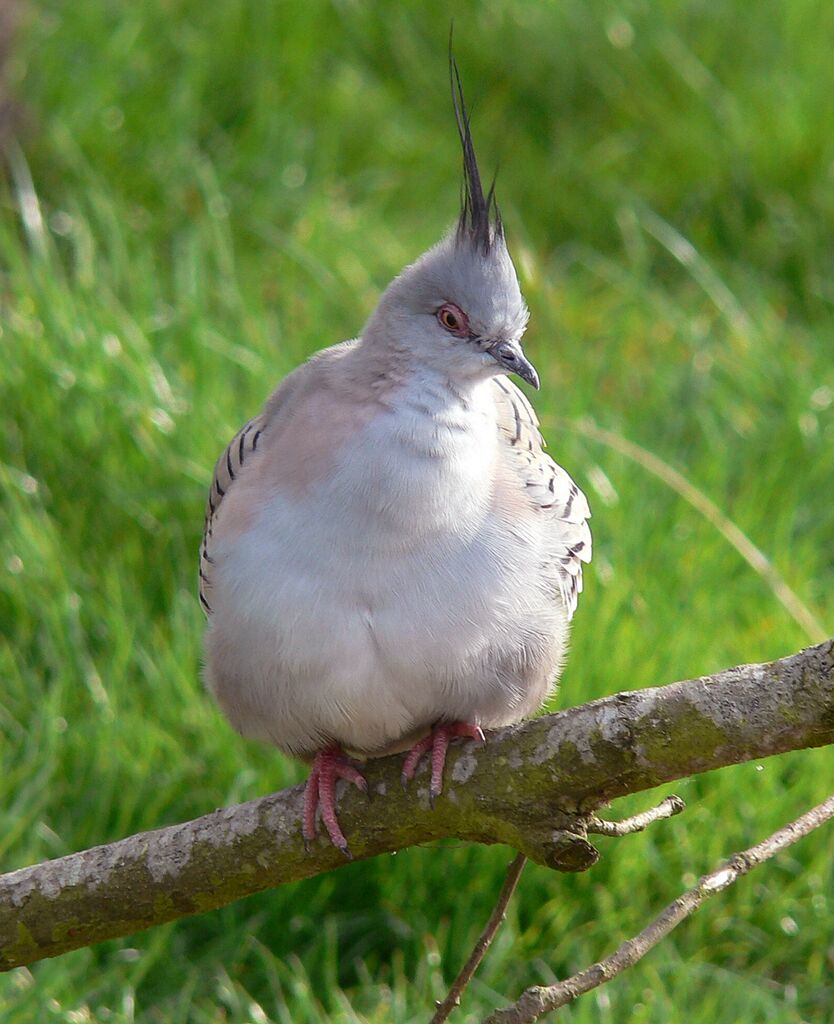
(453,319)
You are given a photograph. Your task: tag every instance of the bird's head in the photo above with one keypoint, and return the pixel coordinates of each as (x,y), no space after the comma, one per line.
(459,309)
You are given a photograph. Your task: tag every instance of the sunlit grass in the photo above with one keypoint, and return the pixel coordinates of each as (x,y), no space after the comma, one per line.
(206,194)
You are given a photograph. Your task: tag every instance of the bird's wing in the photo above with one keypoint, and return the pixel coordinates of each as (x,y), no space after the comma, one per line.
(238,459)
(549,488)
(229,467)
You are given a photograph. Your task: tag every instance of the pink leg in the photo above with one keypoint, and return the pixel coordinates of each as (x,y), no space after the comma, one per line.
(438,742)
(329,765)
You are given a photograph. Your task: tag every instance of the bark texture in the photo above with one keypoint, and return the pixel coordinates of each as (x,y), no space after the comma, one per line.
(534,787)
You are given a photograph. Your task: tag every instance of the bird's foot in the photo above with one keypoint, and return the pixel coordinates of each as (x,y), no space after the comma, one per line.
(438,742)
(329,765)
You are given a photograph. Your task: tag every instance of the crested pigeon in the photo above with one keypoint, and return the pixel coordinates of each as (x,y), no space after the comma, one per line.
(390,559)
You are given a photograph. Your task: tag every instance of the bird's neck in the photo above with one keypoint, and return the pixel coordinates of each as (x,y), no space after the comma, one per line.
(458,406)
(425,455)
(401,379)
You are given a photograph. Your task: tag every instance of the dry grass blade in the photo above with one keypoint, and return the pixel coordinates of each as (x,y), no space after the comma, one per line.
(755,557)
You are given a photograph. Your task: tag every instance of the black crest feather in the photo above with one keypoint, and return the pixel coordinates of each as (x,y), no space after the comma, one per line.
(479,222)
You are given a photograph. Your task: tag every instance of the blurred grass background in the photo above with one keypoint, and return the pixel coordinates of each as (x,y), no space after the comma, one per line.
(195,197)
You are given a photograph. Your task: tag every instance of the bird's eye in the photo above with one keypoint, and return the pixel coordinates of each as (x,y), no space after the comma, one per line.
(453,319)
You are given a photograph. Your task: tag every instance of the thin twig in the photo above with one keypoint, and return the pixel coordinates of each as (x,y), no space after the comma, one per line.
(667,808)
(482,945)
(542,999)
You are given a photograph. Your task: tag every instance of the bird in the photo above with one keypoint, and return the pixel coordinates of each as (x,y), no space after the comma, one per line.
(390,559)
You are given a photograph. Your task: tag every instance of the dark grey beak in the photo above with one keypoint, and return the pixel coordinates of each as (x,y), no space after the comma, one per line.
(510,355)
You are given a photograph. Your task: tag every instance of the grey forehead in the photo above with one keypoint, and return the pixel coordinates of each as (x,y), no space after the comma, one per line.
(484,285)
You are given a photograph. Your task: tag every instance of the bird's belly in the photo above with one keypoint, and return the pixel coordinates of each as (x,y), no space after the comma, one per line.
(330,630)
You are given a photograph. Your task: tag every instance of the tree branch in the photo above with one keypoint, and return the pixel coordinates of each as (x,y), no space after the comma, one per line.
(539,1000)
(533,787)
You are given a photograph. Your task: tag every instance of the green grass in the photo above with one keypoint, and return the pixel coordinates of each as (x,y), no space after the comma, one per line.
(225,188)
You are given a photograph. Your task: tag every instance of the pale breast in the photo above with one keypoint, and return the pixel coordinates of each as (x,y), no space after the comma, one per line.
(364,590)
